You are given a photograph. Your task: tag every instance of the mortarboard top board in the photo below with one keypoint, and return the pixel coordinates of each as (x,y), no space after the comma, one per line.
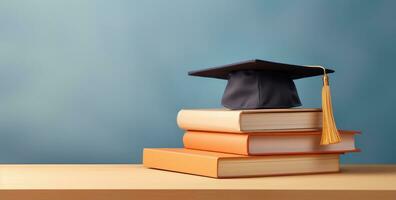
(293,71)
(259,84)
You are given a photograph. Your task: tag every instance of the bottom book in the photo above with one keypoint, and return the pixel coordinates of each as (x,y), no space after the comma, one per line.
(221,165)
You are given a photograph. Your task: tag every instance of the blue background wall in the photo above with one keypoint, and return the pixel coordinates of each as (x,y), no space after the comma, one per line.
(96,81)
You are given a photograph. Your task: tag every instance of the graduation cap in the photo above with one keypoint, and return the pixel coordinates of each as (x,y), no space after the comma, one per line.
(259,84)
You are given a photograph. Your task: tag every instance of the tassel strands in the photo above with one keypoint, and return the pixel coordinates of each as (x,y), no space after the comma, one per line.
(330,133)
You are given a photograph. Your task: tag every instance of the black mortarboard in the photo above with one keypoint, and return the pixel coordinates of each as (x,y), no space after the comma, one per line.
(263,84)
(260,84)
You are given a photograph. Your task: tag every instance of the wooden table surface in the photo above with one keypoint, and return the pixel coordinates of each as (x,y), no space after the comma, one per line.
(136,182)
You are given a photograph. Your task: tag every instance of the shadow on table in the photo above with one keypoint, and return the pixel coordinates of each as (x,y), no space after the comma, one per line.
(368,169)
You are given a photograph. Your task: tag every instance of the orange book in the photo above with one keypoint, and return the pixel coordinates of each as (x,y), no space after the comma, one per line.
(267,143)
(221,165)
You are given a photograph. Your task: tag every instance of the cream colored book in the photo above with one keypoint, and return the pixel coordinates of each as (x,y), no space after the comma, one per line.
(221,165)
(257,120)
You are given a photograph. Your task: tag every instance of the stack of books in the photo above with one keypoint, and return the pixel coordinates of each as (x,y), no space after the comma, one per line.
(224,143)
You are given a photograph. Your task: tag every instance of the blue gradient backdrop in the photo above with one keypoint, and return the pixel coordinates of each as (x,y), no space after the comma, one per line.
(97,81)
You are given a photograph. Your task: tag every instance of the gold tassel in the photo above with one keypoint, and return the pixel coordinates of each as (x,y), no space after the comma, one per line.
(330,133)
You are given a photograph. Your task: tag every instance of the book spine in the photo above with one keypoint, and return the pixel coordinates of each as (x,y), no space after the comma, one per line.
(226,121)
(218,142)
(179,162)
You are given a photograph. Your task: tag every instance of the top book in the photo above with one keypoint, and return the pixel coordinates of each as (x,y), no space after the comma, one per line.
(257,120)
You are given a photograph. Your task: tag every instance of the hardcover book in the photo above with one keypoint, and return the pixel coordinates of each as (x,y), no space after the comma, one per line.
(267,143)
(257,120)
(221,165)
